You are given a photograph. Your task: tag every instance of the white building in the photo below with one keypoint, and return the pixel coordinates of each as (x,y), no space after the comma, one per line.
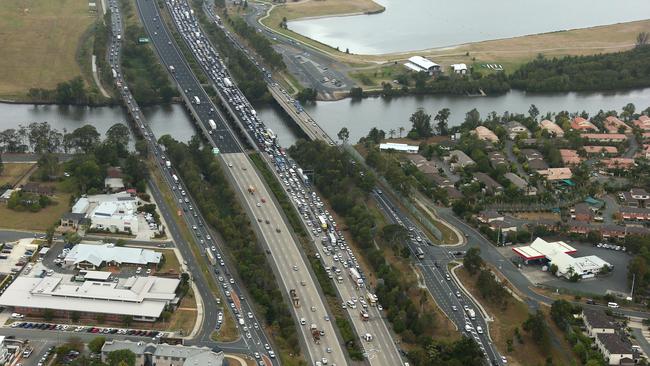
(113,212)
(557,253)
(143,298)
(409,149)
(91,256)
(421,64)
(4,352)
(166,355)
(459,69)
(615,349)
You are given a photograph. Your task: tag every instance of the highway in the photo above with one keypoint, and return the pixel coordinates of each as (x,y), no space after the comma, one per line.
(232,153)
(381,350)
(254,340)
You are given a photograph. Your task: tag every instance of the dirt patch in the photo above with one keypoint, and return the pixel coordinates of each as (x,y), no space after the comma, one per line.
(13,172)
(320,8)
(537,216)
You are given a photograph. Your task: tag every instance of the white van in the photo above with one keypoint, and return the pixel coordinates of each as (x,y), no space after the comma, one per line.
(17,316)
(612,305)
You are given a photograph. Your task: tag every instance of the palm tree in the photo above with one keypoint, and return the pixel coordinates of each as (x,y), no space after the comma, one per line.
(391,133)
(401,131)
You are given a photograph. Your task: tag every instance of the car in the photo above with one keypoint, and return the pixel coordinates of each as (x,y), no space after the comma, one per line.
(479,329)
(250,315)
(303,321)
(266,346)
(504,359)
(295,267)
(454,308)
(257,355)
(271,354)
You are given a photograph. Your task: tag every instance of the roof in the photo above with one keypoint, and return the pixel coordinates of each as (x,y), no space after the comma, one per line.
(423,62)
(614,343)
(598,319)
(540,248)
(459,67)
(487,181)
(552,128)
(516,180)
(190,355)
(613,124)
(96,275)
(557,173)
(81,206)
(37,188)
(73,216)
(599,149)
(604,136)
(399,147)
(643,122)
(461,157)
(135,296)
(97,254)
(570,157)
(484,133)
(582,124)
(113,172)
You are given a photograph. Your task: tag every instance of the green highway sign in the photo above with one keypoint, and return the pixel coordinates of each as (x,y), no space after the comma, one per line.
(215,151)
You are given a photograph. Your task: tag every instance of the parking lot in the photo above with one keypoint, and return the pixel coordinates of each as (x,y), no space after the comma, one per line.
(13,255)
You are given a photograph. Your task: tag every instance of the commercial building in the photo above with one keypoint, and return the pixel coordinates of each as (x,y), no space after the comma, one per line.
(552,128)
(143,298)
(148,354)
(421,64)
(113,212)
(485,134)
(91,256)
(409,149)
(558,253)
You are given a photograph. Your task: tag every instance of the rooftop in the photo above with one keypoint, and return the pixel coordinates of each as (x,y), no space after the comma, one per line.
(598,319)
(96,254)
(190,355)
(615,344)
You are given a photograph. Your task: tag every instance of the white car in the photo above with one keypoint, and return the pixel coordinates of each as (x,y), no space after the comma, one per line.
(479,330)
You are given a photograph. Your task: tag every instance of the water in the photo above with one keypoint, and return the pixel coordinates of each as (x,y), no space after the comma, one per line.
(421,24)
(360,116)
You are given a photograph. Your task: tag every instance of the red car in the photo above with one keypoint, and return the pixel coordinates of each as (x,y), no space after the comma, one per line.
(263,200)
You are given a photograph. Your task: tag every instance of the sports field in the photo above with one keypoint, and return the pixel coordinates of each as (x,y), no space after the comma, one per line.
(39,40)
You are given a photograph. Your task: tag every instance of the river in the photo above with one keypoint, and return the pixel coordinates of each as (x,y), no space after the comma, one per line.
(409,25)
(358,116)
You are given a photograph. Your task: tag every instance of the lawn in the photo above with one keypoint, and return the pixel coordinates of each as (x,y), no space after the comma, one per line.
(502,329)
(12,172)
(171,262)
(39,41)
(36,221)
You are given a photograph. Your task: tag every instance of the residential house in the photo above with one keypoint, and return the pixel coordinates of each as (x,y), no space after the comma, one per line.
(36,188)
(460,69)
(581,124)
(458,160)
(634,213)
(485,134)
(490,186)
(515,128)
(604,137)
(552,128)
(555,174)
(570,157)
(643,122)
(645,152)
(607,231)
(424,165)
(520,183)
(618,163)
(114,180)
(497,158)
(582,212)
(73,220)
(453,193)
(442,182)
(614,348)
(597,322)
(534,159)
(615,125)
(597,150)
(487,216)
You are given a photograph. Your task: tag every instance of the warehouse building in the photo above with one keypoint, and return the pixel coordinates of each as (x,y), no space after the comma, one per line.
(421,64)
(92,256)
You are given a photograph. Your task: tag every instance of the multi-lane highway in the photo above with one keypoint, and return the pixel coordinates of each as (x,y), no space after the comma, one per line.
(253,340)
(276,234)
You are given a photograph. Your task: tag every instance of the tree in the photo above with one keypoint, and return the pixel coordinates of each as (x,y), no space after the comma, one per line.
(562,312)
(127,320)
(401,131)
(85,138)
(48,314)
(628,111)
(165,316)
(95,345)
(442,117)
(356,93)
(391,133)
(49,235)
(75,316)
(344,134)
(376,135)
(472,260)
(72,238)
(2,165)
(421,123)
(535,325)
(472,119)
(121,357)
(118,134)
(642,39)
(533,111)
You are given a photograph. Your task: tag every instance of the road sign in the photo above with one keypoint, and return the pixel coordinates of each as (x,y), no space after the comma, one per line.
(215,151)
(143,40)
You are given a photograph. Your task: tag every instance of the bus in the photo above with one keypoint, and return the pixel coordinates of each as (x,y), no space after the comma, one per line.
(210,256)
(332,238)
(419,253)
(322,222)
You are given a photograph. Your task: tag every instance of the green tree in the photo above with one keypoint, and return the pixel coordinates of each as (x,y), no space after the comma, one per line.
(533,111)
(343,134)
(442,117)
(2,165)
(642,39)
(118,134)
(48,314)
(472,260)
(75,316)
(356,93)
(121,357)
(127,320)
(72,238)
(95,345)
(85,138)
(165,316)
(421,125)
(536,326)
(49,235)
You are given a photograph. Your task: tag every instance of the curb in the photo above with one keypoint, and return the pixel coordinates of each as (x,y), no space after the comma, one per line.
(484,313)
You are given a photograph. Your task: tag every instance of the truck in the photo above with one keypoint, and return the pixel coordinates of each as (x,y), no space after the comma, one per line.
(197,101)
(315,333)
(471,313)
(114,73)
(168,163)
(372,299)
(322,222)
(171,68)
(332,238)
(227,82)
(364,315)
(213,125)
(355,276)
(294,297)
(175,178)
(251,189)
(210,256)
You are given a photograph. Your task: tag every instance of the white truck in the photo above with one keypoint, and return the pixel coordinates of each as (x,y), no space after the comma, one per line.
(197,101)
(175,178)
(213,125)
(355,276)
(227,82)
(114,73)
(168,163)
(171,68)
(471,313)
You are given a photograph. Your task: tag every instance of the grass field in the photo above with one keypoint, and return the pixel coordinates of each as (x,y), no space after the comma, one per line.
(502,329)
(320,8)
(39,41)
(12,172)
(37,221)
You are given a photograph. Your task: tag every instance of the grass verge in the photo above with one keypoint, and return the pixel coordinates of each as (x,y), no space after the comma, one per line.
(37,221)
(13,172)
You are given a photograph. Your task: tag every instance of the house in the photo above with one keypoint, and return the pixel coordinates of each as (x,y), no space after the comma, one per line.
(582,212)
(643,122)
(515,128)
(490,186)
(615,125)
(645,152)
(162,354)
(409,149)
(487,216)
(485,134)
(534,159)
(36,188)
(615,348)
(597,322)
(453,193)
(521,184)
(497,158)
(114,181)
(552,128)
(421,64)
(634,213)
(504,226)
(93,256)
(570,157)
(442,182)
(597,150)
(459,69)
(581,124)
(6,195)
(424,165)
(458,160)
(73,220)
(555,174)
(617,163)
(604,137)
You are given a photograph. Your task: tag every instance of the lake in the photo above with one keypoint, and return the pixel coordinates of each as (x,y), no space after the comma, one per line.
(421,24)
